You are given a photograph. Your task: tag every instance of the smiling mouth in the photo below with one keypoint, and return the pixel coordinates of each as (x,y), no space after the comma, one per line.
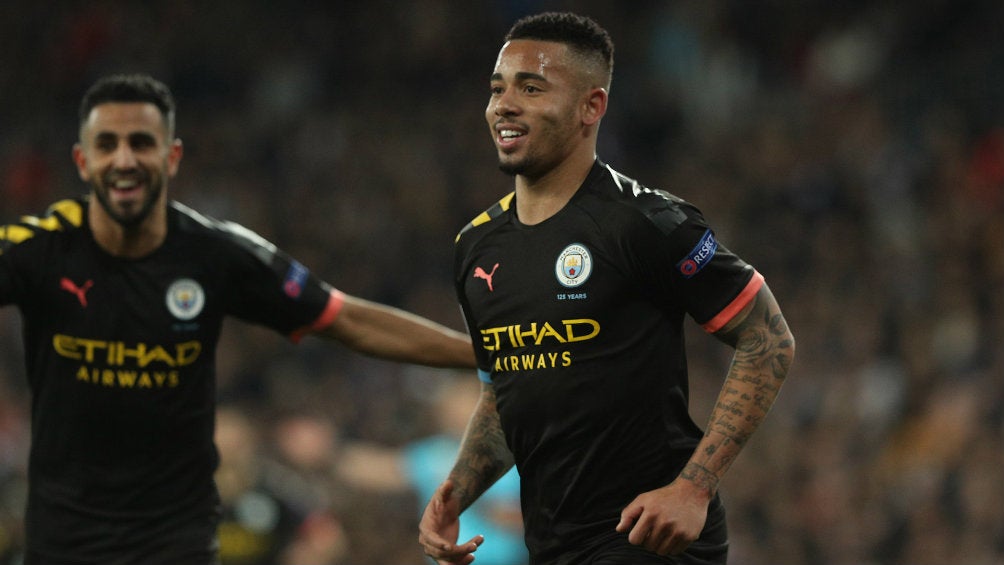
(124,185)
(507,138)
(509,134)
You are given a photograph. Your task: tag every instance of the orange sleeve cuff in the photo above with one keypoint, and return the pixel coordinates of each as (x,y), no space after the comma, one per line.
(734,307)
(336,299)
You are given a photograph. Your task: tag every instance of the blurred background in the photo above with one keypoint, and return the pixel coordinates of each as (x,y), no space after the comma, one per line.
(852,151)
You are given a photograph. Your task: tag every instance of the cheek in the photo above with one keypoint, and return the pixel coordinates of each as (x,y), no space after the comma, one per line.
(82,164)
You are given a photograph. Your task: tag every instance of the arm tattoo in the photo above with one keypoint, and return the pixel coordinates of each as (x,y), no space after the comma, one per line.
(484,456)
(764,351)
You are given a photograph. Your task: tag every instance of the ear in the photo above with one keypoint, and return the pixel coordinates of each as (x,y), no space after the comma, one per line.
(80,160)
(595,106)
(174,153)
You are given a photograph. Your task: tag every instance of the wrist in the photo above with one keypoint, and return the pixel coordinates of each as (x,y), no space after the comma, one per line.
(701,479)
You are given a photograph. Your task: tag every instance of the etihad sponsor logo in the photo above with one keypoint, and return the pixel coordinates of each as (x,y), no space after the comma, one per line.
(120,365)
(523,335)
(536,334)
(531,361)
(118,353)
(699,256)
(120,378)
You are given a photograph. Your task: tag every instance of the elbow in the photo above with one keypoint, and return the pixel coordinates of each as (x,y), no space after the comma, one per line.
(785,355)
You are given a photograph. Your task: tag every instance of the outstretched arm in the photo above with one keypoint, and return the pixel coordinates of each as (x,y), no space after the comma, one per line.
(390,333)
(667,520)
(483,458)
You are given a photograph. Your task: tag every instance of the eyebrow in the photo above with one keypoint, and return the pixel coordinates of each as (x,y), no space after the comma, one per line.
(132,137)
(521,76)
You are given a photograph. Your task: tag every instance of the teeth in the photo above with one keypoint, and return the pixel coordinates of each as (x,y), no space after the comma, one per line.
(125,183)
(508,133)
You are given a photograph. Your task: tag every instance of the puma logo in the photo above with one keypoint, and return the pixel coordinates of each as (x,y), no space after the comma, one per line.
(480,273)
(79,291)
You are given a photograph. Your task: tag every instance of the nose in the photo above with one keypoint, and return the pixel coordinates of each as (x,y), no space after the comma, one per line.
(124,158)
(503,104)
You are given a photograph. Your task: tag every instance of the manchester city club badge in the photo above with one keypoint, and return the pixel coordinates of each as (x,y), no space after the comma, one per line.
(185,299)
(574,265)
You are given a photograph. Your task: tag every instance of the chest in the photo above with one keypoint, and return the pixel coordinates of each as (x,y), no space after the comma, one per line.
(81,292)
(545,290)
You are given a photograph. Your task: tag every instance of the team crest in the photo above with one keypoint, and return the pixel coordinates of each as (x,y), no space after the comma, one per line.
(185,299)
(574,265)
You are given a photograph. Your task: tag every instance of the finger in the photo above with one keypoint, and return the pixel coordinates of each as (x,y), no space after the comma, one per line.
(474,543)
(454,554)
(643,533)
(448,554)
(432,542)
(672,544)
(628,517)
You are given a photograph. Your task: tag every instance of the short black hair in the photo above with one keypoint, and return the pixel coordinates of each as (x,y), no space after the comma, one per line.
(130,88)
(581,33)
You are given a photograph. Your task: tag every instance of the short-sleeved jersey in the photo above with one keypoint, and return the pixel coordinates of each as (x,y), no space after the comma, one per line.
(120,361)
(578,325)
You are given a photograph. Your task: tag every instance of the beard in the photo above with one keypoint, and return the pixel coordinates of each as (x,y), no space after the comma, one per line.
(512,169)
(128,217)
(528,165)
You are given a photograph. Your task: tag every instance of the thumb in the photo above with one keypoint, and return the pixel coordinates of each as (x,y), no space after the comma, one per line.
(628,517)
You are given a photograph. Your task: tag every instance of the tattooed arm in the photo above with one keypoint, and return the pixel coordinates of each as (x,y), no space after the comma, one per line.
(667,520)
(483,458)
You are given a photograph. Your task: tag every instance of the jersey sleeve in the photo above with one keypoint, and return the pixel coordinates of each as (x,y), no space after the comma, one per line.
(480,353)
(688,267)
(271,288)
(19,252)
(9,282)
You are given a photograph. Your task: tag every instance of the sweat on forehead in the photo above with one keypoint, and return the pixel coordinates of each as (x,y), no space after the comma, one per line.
(544,57)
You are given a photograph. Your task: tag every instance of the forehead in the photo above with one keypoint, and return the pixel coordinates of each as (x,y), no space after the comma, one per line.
(124,118)
(546,58)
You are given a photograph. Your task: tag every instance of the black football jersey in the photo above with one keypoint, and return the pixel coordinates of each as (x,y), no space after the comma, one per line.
(120,362)
(578,325)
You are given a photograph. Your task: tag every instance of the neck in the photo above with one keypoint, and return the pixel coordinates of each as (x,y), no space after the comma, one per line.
(131,242)
(537,199)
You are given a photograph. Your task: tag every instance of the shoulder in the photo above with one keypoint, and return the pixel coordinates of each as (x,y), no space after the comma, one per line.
(619,198)
(221,233)
(62,217)
(486,219)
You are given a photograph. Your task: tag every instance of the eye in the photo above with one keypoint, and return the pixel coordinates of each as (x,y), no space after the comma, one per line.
(105,143)
(531,89)
(141,141)
(496,89)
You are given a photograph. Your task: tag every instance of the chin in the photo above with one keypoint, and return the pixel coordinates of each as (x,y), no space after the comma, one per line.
(512,168)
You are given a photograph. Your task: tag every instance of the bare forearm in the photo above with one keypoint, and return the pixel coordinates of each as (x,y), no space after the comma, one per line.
(765,348)
(484,456)
(390,333)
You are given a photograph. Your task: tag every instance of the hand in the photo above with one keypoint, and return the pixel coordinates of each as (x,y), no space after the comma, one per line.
(666,520)
(440,526)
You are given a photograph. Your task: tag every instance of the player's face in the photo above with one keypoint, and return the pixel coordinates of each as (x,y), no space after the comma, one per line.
(126,156)
(533,112)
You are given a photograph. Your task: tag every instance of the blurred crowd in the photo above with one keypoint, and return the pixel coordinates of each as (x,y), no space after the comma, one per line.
(852,151)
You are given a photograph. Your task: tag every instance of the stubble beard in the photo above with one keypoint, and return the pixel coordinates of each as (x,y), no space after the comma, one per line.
(511,169)
(125,219)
